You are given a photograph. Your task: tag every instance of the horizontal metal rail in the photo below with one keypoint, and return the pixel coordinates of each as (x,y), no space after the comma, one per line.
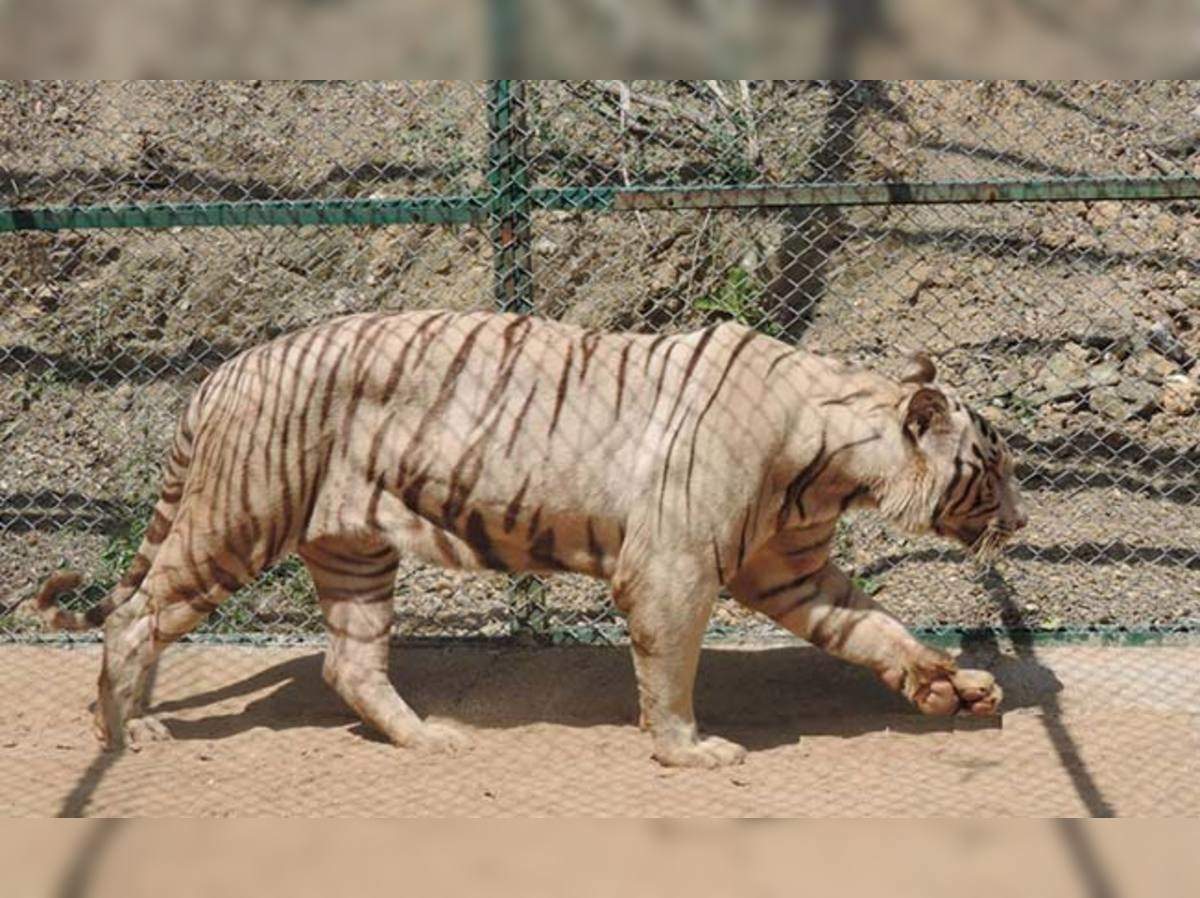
(910,193)
(464,208)
(419,210)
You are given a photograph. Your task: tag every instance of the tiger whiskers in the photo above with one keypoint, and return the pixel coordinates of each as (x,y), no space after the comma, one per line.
(989,547)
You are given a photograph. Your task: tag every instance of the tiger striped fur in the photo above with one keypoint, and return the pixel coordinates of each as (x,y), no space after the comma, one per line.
(669,465)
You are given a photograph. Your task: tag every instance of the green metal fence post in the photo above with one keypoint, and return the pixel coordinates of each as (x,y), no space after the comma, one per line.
(509,214)
(508,178)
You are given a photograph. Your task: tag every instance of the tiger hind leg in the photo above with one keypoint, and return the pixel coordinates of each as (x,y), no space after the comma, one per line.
(355,583)
(193,572)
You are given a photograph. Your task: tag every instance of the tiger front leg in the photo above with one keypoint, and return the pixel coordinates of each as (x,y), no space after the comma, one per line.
(667,618)
(827,609)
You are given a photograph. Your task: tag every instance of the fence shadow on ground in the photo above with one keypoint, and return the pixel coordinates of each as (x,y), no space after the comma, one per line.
(1064,743)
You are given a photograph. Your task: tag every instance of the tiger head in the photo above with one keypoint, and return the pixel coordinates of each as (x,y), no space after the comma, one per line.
(959,480)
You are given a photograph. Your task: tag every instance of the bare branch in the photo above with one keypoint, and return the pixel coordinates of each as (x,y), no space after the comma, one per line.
(753,148)
(715,87)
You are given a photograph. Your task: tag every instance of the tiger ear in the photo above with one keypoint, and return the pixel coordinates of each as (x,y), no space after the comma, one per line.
(927,410)
(920,370)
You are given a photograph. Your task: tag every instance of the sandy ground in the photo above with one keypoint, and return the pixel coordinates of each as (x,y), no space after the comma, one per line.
(1087,730)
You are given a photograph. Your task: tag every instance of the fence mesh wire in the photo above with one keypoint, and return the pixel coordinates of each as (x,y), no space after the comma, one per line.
(1073,326)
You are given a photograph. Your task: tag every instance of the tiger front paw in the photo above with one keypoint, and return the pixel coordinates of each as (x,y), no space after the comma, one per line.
(965,691)
(939,688)
(978,692)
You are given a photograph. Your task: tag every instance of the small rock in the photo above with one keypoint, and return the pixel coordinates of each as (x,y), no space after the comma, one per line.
(1161,424)
(1111,333)
(1058,237)
(1071,356)
(1128,399)
(443,265)
(1064,375)
(544,246)
(1103,213)
(1163,338)
(1141,396)
(1173,306)
(1165,226)
(1105,374)
(1007,381)
(1180,395)
(664,277)
(1148,365)
(1107,402)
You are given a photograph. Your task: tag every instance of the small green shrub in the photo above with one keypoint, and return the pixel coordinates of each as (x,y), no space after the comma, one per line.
(739,298)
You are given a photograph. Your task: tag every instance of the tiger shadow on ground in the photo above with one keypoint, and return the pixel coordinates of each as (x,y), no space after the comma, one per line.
(764,697)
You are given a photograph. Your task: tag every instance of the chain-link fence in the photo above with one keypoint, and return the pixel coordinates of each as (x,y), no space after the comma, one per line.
(1039,240)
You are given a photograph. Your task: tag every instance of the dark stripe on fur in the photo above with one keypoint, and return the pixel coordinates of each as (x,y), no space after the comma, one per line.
(518,421)
(621,378)
(561,394)
(477,537)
